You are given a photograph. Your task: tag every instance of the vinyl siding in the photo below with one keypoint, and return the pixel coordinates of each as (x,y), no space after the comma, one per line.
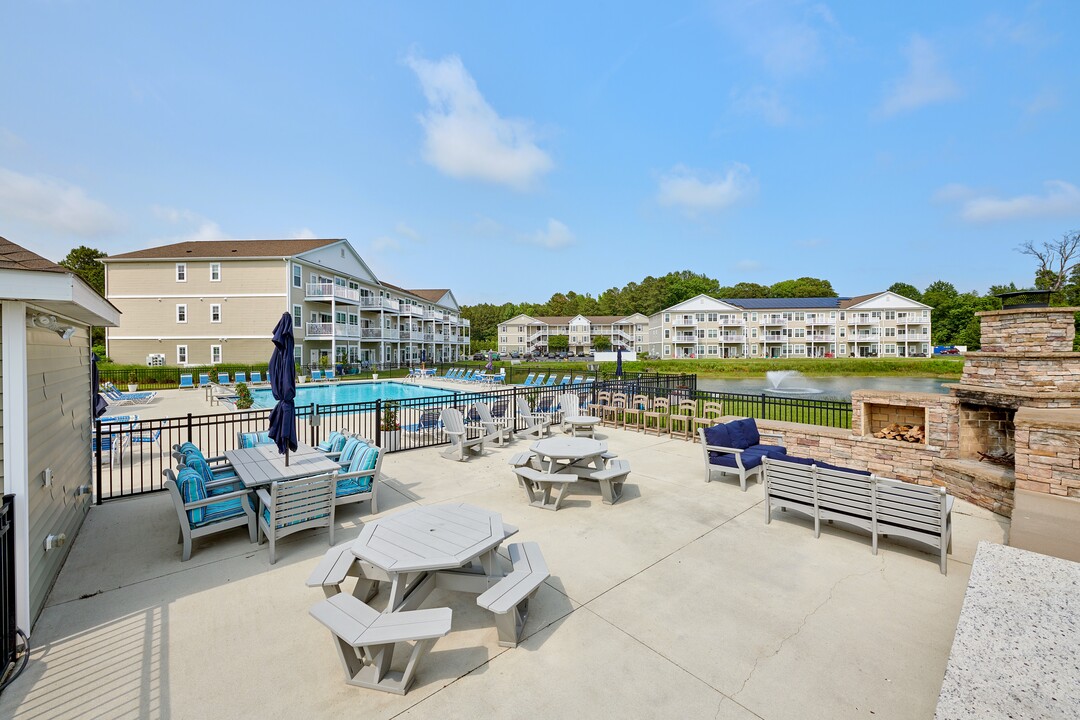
(232,351)
(59,438)
(150,317)
(159,277)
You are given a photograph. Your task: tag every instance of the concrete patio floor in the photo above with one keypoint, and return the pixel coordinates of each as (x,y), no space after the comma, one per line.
(679,601)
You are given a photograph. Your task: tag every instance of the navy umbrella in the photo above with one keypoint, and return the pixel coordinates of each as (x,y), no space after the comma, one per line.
(618,363)
(283,386)
(98,404)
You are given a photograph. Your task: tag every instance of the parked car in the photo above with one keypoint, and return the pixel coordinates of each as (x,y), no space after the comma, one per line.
(515,356)
(478,356)
(581,354)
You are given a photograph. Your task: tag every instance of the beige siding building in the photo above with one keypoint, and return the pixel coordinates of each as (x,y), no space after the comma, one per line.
(211,302)
(526,334)
(45,413)
(875,325)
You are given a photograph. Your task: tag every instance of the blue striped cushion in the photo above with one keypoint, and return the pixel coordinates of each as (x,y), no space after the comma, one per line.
(350,449)
(266,517)
(365,460)
(192,489)
(216,512)
(352,486)
(251,439)
(333,443)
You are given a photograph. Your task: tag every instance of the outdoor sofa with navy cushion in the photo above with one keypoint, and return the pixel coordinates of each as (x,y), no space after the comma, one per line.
(857,498)
(735,448)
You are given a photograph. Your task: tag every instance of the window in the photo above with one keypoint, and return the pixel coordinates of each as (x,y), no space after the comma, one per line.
(832,315)
(841,316)
(799,316)
(890,332)
(181,272)
(712,317)
(215,354)
(667,349)
(876,315)
(297,315)
(753,332)
(701,332)
(181,313)
(753,317)
(890,349)
(712,333)
(297,276)
(667,319)
(890,314)
(181,354)
(667,334)
(215,272)
(712,349)
(753,349)
(701,317)
(215,313)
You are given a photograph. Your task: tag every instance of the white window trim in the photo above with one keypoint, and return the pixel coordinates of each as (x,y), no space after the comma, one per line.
(212,266)
(184,306)
(181,268)
(219,354)
(298,276)
(180,361)
(212,306)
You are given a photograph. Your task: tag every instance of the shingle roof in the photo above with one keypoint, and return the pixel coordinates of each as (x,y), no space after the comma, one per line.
(225,249)
(848,302)
(15,257)
(432,295)
(593,319)
(791,303)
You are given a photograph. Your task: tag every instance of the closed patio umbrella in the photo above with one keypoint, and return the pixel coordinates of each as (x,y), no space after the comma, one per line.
(618,363)
(98,404)
(283,386)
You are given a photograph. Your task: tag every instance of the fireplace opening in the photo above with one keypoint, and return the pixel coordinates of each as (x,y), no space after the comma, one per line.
(987,433)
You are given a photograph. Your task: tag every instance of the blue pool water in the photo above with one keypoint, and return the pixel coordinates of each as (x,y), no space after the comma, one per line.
(335,393)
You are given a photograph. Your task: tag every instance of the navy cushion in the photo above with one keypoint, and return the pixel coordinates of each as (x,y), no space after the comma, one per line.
(751,457)
(744,433)
(811,461)
(718,435)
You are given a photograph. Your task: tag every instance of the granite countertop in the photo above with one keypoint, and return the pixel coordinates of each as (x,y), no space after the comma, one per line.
(1016,653)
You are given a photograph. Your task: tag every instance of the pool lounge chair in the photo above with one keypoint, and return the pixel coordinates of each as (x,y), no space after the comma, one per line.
(115,397)
(529,380)
(113,444)
(429,420)
(329,375)
(256,378)
(204,379)
(579,380)
(467,377)
(565,380)
(539,381)
(187,382)
(551,381)
(223,378)
(241,377)
(316,375)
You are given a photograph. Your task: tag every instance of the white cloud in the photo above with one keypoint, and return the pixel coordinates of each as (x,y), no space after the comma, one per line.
(1029,33)
(465,137)
(556,235)
(196,227)
(384,243)
(304,233)
(694,191)
(788,38)
(1061,198)
(762,102)
(925,83)
(406,231)
(54,205)
(1046,101)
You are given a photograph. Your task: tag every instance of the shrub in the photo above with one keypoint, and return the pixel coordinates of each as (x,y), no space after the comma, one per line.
(243,397)
(390,417)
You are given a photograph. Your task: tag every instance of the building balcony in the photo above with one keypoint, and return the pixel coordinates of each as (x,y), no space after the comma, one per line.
(372,302)
(684,321)
(374,333)
(732,338)
(325,292)
(434,315)
(409,309)
(821,338)
(684,338)
(862,320)
(316,330)
(428,337)
(772,320)
(773,337)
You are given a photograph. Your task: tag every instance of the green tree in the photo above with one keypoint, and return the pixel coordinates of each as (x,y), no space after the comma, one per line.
(558,343)
(909,291)
(748,290)
(1056,260)
(83,261)
(601,343)
(803,287)
(938,293)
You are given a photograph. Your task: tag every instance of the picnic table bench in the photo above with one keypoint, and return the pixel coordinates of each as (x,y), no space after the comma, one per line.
(509,598)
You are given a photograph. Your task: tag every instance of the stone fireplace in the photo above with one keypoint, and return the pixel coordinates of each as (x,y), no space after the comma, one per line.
(986,430)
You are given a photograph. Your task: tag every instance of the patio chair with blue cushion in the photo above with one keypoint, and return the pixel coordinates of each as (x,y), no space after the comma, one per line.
(529,380)
(329,375)
(187,382)
(289,506)
(360,479)
(735,448)
(241,377)
(204,509)
(146,437)
(204,379)
(223,378)
(352,446)
(539,381)
(316,375)
(213,470)
(333,443)
(429,420)
(251,439)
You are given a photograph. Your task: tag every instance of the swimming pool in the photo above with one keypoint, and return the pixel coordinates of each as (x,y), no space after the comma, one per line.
(336,393)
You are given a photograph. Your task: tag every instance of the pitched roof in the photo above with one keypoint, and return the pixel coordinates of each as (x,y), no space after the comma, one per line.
(565,320)
(848,302)
(15,257)
(432,295)
(225,249)
(790,303)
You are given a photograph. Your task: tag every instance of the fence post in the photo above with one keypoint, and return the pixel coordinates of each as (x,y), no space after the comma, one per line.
(97,435)
(378,422)
(188,428)
(762,406)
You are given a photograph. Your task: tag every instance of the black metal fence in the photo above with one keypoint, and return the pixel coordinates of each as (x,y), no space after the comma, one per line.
(134,454)
(8,617)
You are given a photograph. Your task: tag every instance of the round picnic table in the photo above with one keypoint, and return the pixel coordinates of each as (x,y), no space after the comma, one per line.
(571,453)
(582,422)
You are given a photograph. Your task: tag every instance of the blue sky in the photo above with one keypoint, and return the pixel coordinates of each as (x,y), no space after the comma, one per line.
(512,150)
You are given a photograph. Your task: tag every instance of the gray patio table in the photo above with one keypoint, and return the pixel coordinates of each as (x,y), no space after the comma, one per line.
(583,423)
(262,465)
(436,546)
(571,454)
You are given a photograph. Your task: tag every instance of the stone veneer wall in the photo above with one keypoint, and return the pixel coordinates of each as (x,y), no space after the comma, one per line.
(1028,331)
(1048,451)
(942,428)
(1048,373)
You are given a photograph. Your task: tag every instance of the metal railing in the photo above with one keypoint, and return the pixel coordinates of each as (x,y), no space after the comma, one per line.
(8,617)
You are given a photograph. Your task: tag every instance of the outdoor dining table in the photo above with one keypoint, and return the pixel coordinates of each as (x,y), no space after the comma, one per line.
(581,456)
(435,546)
(262,464)
(584,423)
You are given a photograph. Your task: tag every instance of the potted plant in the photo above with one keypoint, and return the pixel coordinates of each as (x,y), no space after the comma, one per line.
(133,381)
(390,427)
(243,397)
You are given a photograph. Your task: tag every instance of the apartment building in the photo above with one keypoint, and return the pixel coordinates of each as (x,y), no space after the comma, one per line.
(209,302)
(526,334)
(876,325)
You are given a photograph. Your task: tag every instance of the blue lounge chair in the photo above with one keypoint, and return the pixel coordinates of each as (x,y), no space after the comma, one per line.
(115,397)
(241,377)
(565,380)
(256,377)
(187,382)
(329,375)
(223,378)
(529,380)
(149,436)
(590,380)
(539,381)
(578,380)
(204,379)
(455,373)
(468,376)
(429,420)
(316,375)
(551,381)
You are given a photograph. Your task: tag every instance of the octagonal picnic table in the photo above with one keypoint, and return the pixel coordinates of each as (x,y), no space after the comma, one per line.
(578,455)
(445,546)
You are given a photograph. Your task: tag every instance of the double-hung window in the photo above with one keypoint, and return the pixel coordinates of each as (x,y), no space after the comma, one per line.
(215,313)
(181,272)
(181,313)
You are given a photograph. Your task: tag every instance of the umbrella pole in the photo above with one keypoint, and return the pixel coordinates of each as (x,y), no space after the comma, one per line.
(286,456)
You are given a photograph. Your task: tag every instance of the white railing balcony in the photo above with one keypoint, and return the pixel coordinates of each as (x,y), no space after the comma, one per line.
(732,338)
(730,320)
(439,337)
(821,338)
(913,320)
(464,339)
(408,309)
(429,337)
(405,334)
(773,337)
(371,302)
(773,320)
(863,319)
(466,322)
(452,318)
(864,336)
(685,338)
(538,336)
(684,321)
(435,315)
(346,330)
(374,333)
(326,291)
(318,329)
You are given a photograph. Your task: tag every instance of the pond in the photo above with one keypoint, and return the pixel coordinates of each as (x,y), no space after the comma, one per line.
(825,388)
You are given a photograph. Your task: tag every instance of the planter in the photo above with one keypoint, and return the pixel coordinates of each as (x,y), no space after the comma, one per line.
(391,440)
(374,376)
(132,387)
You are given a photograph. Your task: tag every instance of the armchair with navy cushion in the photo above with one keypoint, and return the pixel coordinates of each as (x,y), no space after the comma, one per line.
(735,448)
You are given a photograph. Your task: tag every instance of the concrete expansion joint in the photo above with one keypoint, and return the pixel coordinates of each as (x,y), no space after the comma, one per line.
(806,618)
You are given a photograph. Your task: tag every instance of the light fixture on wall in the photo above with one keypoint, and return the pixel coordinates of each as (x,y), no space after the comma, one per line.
(49,322)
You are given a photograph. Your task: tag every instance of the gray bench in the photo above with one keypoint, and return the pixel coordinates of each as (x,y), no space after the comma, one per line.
(879,506)
(539,486)
(509,598)
(611,479)
(339,563)
(365,639)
